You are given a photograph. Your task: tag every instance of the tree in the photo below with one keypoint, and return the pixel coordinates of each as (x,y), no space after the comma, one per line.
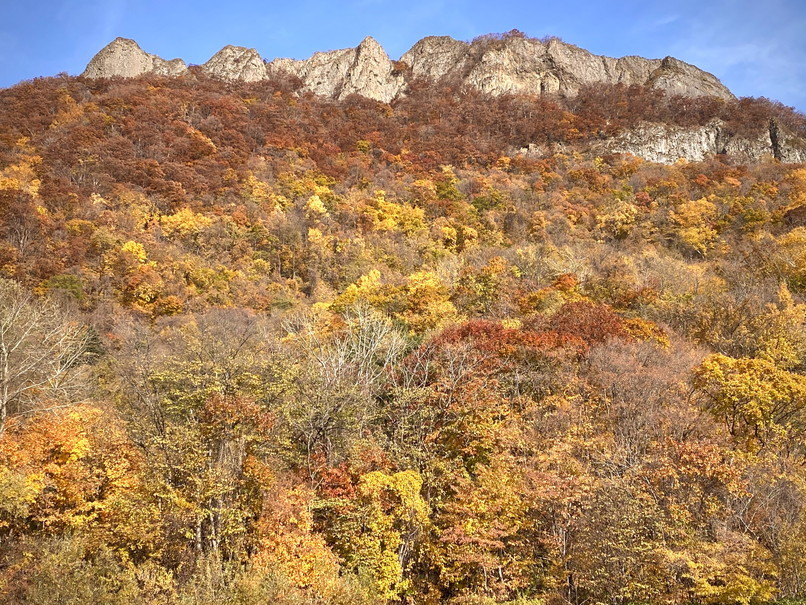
(43,353)
(757,400)
(197,400)
(378,526)
(341,364)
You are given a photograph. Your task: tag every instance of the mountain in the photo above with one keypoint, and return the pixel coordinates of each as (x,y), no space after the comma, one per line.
(493,64)
(514,64)
(267,340)
(497,65)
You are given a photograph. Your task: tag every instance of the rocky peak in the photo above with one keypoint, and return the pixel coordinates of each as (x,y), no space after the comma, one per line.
(370,45)
(435,56)
(372,74)
(365,70)
(236,63)
(124,57)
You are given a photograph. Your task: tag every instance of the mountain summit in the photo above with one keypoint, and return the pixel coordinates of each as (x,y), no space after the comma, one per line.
(124,57)
(495,64)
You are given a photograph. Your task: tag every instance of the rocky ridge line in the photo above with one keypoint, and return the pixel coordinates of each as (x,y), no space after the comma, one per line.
(492,65)
(237,63)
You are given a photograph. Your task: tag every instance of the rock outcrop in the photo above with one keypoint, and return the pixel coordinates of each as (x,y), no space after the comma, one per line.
(435,57)
(124,57)
(789,147)
(236,63)
(676,77)
(666,144)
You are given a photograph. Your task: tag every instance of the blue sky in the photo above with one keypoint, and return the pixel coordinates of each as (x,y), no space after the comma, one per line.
(756,47)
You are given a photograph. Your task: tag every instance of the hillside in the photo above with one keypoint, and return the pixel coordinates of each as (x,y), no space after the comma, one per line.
(265,341)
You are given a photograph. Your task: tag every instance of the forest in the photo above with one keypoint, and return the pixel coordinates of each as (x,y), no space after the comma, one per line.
(261,347)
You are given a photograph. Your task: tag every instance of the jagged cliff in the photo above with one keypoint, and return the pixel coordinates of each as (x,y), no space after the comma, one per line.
(365,70)
(493,65)
(667,143)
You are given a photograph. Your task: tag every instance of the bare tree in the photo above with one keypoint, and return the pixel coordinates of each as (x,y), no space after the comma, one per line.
(42,353)
(338,378)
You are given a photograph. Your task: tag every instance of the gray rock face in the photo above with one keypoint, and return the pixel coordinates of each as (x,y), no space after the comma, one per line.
(236,63)
(746,149)
(124,57)
(665,144)
(519,66)
(372,74)
(789,148)
(320,74)
(365,70)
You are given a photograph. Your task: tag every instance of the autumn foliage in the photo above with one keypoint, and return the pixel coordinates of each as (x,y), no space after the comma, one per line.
(260,347)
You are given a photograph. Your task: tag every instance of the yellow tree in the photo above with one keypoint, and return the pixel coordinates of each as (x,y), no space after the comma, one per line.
(756,400)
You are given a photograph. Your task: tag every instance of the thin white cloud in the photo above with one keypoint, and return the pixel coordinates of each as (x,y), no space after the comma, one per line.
(664,21)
